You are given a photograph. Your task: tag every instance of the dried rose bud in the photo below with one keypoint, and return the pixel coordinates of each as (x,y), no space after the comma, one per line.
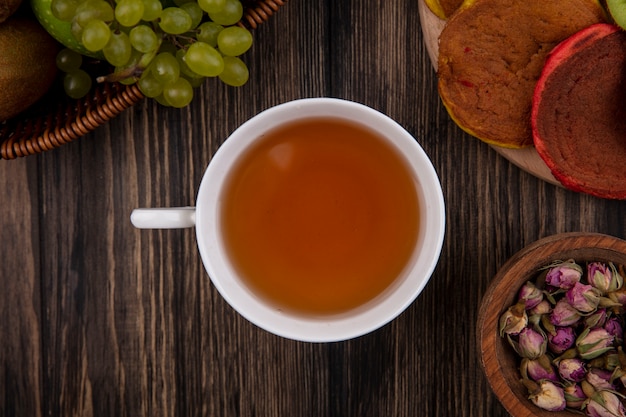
(538,369)
(574,396)
(599,379)
(594,342)
(562,339)
(531,343)
(605,404)
(614,326)
(513,320)
(583,298)
(564,275)
(604,277)
(564,314)
(539,315)
(618,296)
(547,395)
(540,309)
(597,319)
(619,374)
(530,295)
(572,369)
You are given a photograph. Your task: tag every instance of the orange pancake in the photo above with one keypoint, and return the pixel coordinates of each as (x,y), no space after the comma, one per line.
(491,54)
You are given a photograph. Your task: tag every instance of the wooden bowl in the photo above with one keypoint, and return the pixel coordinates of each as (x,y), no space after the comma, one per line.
(56,119)
(499,361)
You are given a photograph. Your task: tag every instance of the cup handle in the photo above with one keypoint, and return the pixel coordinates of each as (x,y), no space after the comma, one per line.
(164,218)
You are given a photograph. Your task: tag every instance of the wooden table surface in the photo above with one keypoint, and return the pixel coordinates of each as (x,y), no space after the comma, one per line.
(101,319)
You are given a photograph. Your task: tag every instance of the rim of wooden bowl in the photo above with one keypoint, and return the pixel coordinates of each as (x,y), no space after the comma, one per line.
(497,358)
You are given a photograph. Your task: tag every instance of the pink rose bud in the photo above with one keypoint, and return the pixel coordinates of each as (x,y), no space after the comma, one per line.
(594,342)
(548,396)
(583,298)
(574,396)
(605,404)
(572,369)
(564,275)
(599,379)
(562,339)
(540,309)
(614,327)
(513,320)
(597,319)
(531,344)
(539,369)
(530,295)
(618,296)
(564,314)
(604,277)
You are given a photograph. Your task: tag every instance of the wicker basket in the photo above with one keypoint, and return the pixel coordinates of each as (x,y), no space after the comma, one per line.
(56,120)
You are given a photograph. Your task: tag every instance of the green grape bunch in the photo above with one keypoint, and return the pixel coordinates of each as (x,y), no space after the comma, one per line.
(168,49)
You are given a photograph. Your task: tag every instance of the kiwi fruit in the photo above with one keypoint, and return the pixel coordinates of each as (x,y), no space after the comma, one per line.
(7,8)
(27,64)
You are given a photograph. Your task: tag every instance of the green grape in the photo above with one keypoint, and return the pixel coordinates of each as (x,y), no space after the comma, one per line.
(161,100)
(133,62)
(76,29)
(77,83)
(68,60)
(195,82)
(208,33)
(181,2)
(184,68)
(64,9)
(143,39)
(137,61)
(149,85)
(212,6)
(178,93)
(152,10)
(194,11)
(165,68)
(234,41)
(204,60)
(129,12)
(229,15)
(118,50)
(96,35)
(175,21)
(93,9)
(235,72)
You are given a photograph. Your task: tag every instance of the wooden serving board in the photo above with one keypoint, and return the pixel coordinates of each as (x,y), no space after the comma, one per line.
(527,158)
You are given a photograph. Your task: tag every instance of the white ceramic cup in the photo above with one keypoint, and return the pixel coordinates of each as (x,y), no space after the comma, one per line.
(205,217)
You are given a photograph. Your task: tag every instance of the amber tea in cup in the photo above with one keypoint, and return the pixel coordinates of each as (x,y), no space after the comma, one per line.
(320,216)
(317,220)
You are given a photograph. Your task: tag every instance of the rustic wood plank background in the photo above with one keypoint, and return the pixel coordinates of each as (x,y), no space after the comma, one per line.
(100,319)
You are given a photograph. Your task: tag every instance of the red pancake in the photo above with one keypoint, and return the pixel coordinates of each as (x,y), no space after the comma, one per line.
(579,112)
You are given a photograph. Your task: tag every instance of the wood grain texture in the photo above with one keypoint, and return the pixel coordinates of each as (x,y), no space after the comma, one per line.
(21,360)
(100,319)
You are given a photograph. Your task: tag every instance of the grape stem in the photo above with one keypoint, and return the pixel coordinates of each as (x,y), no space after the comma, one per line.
(176,40)
(134,71)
